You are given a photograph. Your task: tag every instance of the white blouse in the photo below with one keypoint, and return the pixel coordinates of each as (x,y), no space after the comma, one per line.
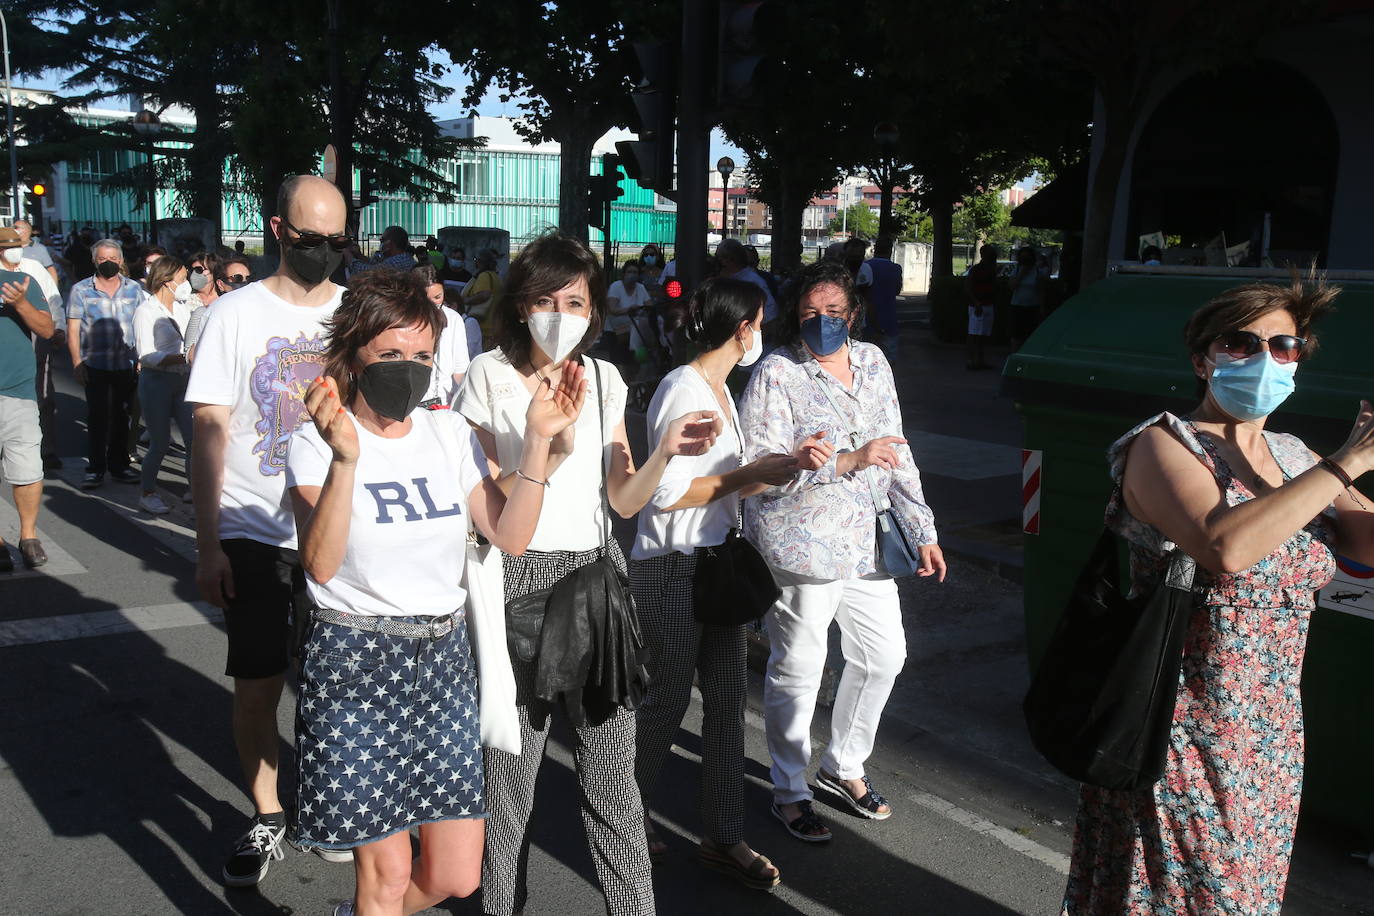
(684,390)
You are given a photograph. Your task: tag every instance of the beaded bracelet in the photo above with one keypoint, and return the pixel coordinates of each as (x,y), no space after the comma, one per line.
(523,476)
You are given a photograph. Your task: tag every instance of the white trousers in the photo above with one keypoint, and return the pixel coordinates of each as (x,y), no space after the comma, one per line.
(874,646)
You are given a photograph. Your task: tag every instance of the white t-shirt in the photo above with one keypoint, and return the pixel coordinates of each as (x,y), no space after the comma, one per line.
(682,391)
(257,355)
(624,300)
(46,286)
(159,333)
(451,357)
(408,531)
(495,398)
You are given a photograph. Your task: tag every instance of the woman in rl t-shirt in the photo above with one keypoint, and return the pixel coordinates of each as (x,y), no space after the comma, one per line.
(387,734)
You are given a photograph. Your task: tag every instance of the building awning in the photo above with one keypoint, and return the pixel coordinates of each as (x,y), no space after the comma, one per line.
(1059,204)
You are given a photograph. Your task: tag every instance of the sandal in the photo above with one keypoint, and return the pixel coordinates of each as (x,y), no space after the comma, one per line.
(755,874)
(868,806)
(805,826)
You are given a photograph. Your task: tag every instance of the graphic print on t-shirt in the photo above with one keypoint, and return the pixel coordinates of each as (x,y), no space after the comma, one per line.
(280,378)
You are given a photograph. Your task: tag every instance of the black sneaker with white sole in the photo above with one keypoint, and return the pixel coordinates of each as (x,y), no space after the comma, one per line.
(254,854)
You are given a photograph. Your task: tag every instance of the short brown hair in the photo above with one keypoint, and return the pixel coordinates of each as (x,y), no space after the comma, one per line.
(376,302)
(543,267)
(1306,299)
(161,272)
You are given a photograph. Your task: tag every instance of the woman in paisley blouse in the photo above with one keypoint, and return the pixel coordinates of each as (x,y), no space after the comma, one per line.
(830,401)
(1261,515)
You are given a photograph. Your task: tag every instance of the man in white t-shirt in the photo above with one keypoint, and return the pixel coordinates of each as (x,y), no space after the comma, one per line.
(261,347)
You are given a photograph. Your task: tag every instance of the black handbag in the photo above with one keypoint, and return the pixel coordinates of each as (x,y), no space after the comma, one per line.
(525,615)
(1101,702)
(894,554)
(732,584)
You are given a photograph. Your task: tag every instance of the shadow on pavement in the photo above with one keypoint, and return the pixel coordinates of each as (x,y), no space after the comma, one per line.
(89,733)
(854,876)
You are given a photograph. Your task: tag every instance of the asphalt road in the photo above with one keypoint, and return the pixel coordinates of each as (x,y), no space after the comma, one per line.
(120,785)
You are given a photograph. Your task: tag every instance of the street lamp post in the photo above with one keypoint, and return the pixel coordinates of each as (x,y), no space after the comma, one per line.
(886,135)
(147,125)
(9,122)
(726,166)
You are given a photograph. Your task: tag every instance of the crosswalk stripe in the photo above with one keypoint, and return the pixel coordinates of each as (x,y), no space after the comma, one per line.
(60,627)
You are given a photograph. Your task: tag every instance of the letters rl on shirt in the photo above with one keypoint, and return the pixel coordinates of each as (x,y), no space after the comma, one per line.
(394,494)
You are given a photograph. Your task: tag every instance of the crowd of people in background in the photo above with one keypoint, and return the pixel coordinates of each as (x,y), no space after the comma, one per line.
(341,412)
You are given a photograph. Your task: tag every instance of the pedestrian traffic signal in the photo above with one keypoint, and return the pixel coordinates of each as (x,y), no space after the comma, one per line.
(40,189)
(740,53)
(649,159)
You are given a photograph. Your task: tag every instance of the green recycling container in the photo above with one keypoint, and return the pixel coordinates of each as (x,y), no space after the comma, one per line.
(1114,355)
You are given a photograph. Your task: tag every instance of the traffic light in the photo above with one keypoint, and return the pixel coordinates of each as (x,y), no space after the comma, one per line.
(740,56)
(601,190)
(367,189)
(649,160)
(38,190)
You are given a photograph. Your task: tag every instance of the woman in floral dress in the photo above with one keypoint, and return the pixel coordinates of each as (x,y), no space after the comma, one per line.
(1261,515)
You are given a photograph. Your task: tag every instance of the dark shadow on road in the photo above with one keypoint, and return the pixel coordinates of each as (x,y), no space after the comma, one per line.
(85,733)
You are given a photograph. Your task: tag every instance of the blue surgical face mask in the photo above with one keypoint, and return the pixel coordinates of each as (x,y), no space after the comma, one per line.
(651,260)
(824,334)
(1252,387)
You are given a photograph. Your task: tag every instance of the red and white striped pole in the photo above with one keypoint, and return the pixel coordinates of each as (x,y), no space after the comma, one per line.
(1030,490)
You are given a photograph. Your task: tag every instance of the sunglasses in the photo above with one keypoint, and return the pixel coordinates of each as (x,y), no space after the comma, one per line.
(1284,348)
(315,239)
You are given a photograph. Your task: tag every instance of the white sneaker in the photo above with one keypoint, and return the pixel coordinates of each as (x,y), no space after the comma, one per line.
(337,856)
(152,502)
(345,909)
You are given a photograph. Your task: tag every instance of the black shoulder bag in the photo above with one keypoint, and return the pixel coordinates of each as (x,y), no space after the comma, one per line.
(732,584)
(593,583)
(1101,703)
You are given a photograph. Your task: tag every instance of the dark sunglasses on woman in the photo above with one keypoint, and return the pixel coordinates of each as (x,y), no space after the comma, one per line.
(1284,348)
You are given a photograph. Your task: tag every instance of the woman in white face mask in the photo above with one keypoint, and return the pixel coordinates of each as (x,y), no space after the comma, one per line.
(159,334)
(549,312)
(693,510)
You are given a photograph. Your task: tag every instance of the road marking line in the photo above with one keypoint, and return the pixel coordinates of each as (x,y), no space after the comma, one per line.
(60,627)
(1009,838)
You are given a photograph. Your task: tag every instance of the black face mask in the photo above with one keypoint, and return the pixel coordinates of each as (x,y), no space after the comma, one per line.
(394,388)
(107,269)
(313,265)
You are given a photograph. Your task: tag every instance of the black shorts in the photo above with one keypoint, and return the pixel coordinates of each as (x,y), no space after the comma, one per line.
(269,599)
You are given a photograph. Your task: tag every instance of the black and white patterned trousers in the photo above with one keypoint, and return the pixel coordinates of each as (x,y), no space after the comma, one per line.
(678,645)
(612,813)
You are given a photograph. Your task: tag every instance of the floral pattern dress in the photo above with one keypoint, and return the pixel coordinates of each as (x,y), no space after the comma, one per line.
(1215,834)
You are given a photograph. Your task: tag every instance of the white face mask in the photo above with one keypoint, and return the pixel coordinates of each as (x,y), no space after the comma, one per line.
(557,333)
(752,354)
(182,291)
(14,255)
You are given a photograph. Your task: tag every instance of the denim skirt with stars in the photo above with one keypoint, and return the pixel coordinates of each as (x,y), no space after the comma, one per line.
(386,734)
